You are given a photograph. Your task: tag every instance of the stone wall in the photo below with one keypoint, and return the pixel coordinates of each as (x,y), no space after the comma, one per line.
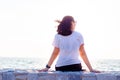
(35,75)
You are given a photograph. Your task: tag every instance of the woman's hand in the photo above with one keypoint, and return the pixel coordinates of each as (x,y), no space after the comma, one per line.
(43,70)
(95,71)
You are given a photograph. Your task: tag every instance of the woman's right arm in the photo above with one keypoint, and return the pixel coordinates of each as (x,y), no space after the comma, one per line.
(52,58)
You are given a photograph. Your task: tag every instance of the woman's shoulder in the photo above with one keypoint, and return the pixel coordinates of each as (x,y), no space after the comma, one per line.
(57,35)
(77,33)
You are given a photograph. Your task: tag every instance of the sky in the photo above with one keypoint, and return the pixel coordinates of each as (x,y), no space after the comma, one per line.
(27,27)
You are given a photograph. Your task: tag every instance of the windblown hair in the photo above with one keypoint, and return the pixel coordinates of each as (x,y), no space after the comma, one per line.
(64,28)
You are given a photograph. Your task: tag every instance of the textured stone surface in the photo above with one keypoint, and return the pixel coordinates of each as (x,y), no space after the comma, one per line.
(53,75)
(89,76)
(21,74)
(106,77)
(0,77)
(21,77)
(74,77)
(8,76)
(118,77)
(35,75)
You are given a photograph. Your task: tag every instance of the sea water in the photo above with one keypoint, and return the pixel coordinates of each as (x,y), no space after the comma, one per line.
(39,63)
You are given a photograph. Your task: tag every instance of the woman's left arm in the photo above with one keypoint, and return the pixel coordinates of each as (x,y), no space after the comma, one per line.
(51,60)
(85,59)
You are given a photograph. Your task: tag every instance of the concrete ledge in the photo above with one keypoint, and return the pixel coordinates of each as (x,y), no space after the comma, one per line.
(35,75)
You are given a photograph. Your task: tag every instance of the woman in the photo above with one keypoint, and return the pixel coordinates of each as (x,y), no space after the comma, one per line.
(69,45)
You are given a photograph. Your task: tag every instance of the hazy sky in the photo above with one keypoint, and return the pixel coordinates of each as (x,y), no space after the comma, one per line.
(27,27)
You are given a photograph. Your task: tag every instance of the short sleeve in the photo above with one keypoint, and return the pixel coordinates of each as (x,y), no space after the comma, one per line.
(81,39)
(56,41)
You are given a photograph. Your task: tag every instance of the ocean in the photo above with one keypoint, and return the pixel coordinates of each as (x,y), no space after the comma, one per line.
(39,63)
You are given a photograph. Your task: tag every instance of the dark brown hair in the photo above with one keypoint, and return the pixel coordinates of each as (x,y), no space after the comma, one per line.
(64,28)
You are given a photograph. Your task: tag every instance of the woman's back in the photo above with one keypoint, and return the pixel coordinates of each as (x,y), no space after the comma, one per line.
(69,48)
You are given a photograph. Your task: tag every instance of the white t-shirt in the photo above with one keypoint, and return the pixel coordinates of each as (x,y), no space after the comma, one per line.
(69,48)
